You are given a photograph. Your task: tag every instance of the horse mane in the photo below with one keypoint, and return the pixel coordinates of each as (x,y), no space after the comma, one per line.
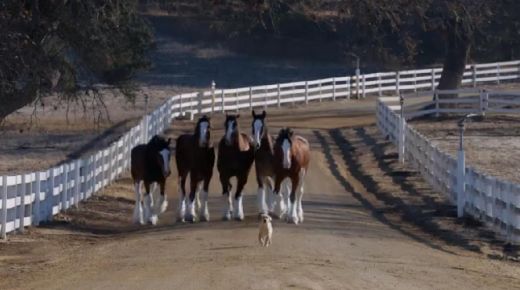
(158,143)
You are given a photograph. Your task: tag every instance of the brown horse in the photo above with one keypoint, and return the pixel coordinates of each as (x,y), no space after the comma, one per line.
(292,157)
(150,163)
(264,165)
(195,155)
(235,158)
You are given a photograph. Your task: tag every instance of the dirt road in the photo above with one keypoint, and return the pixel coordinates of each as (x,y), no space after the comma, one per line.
(349,240)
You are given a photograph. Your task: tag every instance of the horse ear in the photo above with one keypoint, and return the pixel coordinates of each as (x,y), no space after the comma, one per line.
(290,132)
(237,116)
(253,113)
(169,141)
(263,114)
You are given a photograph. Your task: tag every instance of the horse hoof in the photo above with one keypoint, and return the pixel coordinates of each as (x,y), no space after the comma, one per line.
(239,218)
(226,217)
(153,220)
(204,218)
(180,220)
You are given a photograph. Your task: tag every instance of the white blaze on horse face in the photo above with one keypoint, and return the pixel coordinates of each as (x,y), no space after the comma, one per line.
(286,147)
(229,131)
(203,130)
(257,129)
(165,153)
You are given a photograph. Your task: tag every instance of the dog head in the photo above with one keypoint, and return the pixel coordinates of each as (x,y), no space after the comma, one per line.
(265,218)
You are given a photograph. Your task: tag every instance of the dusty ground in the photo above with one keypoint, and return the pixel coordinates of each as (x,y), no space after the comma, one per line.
(490,143)
(369,224)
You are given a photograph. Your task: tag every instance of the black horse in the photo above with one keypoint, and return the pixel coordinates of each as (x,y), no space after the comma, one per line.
(236,154)
(150,163)
(195,155)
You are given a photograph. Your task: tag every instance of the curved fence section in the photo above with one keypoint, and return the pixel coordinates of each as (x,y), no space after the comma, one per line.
(491,200)
(29,199)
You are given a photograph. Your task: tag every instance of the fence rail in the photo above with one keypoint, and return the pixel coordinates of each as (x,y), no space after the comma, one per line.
(29,199)
(493,201)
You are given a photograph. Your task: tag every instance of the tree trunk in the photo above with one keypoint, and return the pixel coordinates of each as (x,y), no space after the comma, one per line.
(454,62)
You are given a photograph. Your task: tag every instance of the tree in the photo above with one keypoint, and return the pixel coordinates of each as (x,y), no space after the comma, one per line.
(66,46)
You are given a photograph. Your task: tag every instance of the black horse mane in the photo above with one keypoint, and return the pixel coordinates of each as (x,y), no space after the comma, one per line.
(158,143)
(283,134)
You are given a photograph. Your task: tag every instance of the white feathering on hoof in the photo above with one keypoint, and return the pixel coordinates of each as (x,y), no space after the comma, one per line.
(280,208)
(228,207)
(191,215)
(238,210)
(138,209)
(164,204)
(204,211)
(293,215)
(182,209)
(147,210)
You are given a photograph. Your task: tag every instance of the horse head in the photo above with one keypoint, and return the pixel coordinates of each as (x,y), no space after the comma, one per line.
(284,141)
(203,131)
(258,127)
(231,125)
(160,148)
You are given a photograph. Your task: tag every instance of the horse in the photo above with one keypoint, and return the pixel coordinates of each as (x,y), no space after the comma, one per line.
(235,158)
(264,165)
(292,158)
(150,163)
(195,155)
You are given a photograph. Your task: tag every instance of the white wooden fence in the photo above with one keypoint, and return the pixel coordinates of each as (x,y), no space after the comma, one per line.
(29,199)
(491,200)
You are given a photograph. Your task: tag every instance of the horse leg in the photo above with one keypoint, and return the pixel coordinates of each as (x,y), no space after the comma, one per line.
(138,209)
(270,200)
(181,188)
(191,215)
(148,203)
(300,196)
(239,210)
(204,211)
(280,205)
(228,207)
(293,214)
(197,197)
(287,194)
(163,199)
(260,197)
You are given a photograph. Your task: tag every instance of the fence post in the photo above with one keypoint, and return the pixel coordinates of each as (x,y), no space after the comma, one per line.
(181,107)
(278,95)
(397,80)
(236,101)
(498,73)
(306,92)
(349,88)
(222,101)
(21,211)
(436,98)
(36,208)
(77,183)
(364,94)
(357,83)
(200,97)
(319,92)
(415,81)
(251,98)
(4,207)
(433,79)
(474,75)
(265,99)
(333,89)
(379,84)
(402,124)
(461,173)
(65,181)
(49,197)
(213,85)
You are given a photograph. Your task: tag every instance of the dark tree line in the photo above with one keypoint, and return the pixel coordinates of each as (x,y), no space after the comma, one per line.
(65,46)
